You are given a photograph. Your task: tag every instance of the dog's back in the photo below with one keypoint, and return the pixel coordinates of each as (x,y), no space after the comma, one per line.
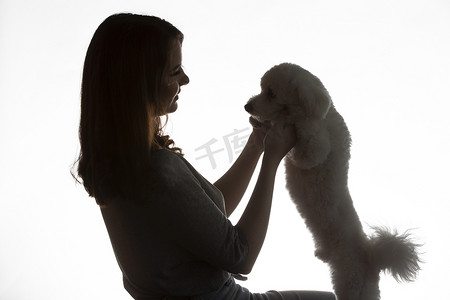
(317,180)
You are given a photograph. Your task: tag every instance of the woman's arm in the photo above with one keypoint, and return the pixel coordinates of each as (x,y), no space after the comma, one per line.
(255,219)
(234,182)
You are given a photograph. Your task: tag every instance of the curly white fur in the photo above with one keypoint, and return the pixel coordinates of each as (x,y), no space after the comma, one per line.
(316,177)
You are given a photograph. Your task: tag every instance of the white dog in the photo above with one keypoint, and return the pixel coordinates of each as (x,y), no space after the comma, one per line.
(316,176)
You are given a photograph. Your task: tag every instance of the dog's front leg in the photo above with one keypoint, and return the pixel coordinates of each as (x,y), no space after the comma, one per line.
(313,144)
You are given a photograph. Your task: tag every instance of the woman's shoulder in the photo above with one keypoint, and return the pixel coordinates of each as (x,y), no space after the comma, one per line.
(165,159)
(169,164)
(165,155)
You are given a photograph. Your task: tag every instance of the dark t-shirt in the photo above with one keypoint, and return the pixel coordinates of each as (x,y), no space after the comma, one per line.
(179,242)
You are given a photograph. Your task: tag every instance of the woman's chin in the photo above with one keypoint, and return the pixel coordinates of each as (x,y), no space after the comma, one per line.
(172,108)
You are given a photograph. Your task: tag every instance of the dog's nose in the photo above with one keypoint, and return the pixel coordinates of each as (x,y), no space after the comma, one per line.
(248,108)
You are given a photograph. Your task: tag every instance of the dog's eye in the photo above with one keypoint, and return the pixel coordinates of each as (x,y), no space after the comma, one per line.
(270,93)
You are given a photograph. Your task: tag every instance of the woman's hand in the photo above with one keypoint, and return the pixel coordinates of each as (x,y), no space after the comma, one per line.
(259,133)
(279,140)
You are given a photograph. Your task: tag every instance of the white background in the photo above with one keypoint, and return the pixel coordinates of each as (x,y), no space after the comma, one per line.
(385,64)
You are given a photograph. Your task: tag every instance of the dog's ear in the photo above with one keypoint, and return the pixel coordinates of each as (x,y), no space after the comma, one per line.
(315,101)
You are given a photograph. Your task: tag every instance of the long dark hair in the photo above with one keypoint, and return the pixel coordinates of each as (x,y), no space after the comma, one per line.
(120,107)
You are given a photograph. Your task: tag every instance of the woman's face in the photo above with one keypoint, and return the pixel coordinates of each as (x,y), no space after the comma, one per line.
(173,78)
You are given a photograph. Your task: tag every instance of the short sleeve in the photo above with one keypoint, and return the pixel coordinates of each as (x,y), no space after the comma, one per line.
(191,218)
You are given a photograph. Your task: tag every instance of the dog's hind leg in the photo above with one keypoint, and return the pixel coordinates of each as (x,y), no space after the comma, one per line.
(371,290)
(347,274)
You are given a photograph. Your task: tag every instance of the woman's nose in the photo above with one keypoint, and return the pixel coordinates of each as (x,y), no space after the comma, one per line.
(185,79)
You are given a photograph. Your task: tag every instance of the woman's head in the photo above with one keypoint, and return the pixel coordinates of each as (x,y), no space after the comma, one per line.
(127,84)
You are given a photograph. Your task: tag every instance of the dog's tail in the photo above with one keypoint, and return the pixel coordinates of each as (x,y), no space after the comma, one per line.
(395,253)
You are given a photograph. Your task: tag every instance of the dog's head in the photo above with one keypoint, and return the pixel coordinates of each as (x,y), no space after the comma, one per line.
(289,92)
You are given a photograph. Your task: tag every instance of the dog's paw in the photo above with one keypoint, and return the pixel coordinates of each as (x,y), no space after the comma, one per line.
(322,255)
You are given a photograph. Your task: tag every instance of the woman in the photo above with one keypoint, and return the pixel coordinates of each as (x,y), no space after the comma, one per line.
(168,226)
